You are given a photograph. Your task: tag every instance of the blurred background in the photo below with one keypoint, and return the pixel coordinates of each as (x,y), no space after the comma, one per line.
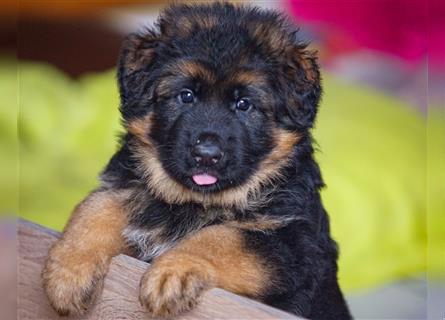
(380,131)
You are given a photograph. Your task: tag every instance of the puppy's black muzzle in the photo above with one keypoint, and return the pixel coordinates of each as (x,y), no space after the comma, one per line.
(207,150)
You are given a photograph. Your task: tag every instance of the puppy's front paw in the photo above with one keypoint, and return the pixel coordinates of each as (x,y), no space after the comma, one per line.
(174,283)
(71,281)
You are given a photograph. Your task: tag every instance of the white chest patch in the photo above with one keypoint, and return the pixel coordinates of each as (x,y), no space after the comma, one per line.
(150,243)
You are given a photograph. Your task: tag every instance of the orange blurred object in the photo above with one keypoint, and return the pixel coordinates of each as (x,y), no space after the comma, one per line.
(66,8)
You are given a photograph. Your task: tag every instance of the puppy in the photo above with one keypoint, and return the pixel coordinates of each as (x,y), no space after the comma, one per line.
(214,182)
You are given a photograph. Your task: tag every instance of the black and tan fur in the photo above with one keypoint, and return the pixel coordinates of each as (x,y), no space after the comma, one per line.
(260,230)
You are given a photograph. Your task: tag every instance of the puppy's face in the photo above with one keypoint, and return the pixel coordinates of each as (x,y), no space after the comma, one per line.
(220,94)
(212,127)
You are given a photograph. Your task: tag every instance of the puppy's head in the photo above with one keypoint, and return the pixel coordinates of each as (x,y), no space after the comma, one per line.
(217,97)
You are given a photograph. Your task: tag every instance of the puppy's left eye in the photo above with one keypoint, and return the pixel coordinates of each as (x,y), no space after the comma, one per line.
(243,104)
(186,96)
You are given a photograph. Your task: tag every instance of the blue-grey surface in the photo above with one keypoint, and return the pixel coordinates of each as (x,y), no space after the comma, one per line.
(408,299)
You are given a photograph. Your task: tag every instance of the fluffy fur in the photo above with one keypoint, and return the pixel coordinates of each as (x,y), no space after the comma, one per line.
(261,229)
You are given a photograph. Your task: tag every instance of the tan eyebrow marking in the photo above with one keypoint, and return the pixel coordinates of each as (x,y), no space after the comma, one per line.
(249,77)
(186,69)
(193,69)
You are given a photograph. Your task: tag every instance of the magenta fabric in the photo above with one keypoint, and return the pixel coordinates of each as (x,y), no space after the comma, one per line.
(397,27)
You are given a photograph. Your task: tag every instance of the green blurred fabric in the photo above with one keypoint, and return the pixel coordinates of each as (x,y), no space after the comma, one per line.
(8,137)
(371,148)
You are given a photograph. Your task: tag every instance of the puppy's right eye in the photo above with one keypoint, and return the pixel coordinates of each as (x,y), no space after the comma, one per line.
(187,96)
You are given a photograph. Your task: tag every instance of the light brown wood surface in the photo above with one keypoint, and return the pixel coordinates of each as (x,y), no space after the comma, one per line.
(119,299)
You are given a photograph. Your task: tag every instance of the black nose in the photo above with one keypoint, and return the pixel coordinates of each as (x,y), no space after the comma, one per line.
(206,152)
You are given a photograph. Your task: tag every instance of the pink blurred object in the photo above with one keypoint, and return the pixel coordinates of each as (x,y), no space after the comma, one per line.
(396,27)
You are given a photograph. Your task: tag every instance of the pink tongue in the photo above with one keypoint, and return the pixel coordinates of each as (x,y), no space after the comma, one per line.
(204,179)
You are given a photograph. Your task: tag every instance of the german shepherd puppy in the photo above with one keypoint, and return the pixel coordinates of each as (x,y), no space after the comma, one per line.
(214,182)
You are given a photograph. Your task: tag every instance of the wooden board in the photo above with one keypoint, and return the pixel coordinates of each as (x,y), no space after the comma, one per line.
(119,299)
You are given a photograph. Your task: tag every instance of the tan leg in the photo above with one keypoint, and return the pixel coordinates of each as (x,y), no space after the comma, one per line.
(77,263)
(213,257)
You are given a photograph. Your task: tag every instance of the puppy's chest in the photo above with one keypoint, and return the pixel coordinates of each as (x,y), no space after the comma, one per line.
(147,244)
(156,229)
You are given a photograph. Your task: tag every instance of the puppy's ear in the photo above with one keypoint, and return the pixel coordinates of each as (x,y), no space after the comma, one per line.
(303,87)
(137,58)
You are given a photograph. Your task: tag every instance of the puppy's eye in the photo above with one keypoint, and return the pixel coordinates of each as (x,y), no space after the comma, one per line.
(243,104)
(186,96)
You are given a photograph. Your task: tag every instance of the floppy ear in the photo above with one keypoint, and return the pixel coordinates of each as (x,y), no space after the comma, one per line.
(303,88)
(137,57)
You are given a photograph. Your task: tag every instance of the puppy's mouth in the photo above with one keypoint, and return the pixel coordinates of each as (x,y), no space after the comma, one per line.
(204,179)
